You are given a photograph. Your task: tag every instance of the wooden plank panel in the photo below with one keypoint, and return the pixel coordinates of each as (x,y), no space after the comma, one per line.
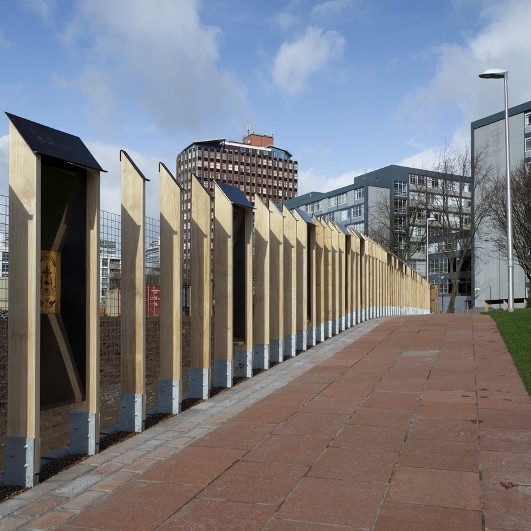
(132,277)
(23,400)
(170,277)
(319,279)
(290,282)
(276,287)
(201,291)
(223,288)
(261,273)
(301,280)
(92,385)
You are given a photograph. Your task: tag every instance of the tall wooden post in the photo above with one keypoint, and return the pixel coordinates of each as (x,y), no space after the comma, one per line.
(262,283)
(290,283)
(301,279)
(223,290)
(170,377)
(276,287)
(85,416)
(133,308)
(319,281)
(22,449)
(328,279)
(201,291)
(232,285)
(335,279)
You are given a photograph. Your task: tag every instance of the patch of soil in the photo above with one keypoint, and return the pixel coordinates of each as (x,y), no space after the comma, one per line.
(187,403)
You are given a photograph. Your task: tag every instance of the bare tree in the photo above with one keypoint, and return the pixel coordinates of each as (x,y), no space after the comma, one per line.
(521,214)
(447,192)
(394,223)
(460,206)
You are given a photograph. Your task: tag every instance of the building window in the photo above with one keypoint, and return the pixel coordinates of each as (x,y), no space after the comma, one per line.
(358,193)
(400,206)
(527,119)
(333,201)
(438,265)
(357,211)
(400,189)
(341,199)
(528,143)
(343,215)
(359,227)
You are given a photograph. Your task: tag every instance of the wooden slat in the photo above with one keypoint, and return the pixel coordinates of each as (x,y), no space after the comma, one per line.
(23,398)
(276,276)
(170,276)
(301,280)
(290,281)
(92,385)
(132,277)
(261,273)
(201,297)
(319,278)
(223,286)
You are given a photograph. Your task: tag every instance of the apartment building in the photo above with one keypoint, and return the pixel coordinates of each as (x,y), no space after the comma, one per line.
(255,165)
(490,273)
(399,206)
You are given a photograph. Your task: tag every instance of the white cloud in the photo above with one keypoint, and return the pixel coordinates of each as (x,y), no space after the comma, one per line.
(155,59)
(329,7)
(503,42)
(297,61)
(45,9)
(108,157)
(311,182)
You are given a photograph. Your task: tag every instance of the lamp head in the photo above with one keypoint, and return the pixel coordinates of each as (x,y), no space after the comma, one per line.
(494,73)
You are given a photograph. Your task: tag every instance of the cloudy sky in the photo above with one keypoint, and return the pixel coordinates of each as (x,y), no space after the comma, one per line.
(346,86)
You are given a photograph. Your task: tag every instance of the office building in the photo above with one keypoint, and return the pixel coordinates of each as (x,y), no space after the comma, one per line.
(490,274)
(254,165)
(393,206)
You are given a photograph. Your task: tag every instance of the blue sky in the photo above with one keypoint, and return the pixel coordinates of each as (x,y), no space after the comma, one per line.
(346,86)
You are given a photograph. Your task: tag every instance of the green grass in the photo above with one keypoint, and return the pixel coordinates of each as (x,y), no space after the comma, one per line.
(515,329)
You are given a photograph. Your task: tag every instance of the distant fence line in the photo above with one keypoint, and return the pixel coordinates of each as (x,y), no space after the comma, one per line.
(262,283)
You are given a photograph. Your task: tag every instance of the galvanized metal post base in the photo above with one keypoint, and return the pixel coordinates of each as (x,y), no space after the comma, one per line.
(290,350)
(20,469)
(243,363)
(222,374)
(276,354)
(261,356)
(302,341)
(320,333)
(348,320)
(170,395)
(84,430)
(328,329)
(199,383)
(132,412)
(336,326)
(311,335)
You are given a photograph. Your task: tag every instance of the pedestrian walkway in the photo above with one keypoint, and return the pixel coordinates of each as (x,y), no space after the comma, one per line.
(406,423)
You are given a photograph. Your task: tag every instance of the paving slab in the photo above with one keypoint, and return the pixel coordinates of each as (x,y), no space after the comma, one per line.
(399,423)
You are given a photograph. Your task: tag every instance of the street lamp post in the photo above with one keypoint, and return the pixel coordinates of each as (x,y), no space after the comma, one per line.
(427,246)
(496,73)
(442,293)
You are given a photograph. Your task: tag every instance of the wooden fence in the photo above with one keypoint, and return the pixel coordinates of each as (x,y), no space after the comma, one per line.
(277,282)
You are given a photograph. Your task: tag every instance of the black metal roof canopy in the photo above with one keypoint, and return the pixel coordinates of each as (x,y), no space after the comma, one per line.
(234,195)
(305,216)
(50,142)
